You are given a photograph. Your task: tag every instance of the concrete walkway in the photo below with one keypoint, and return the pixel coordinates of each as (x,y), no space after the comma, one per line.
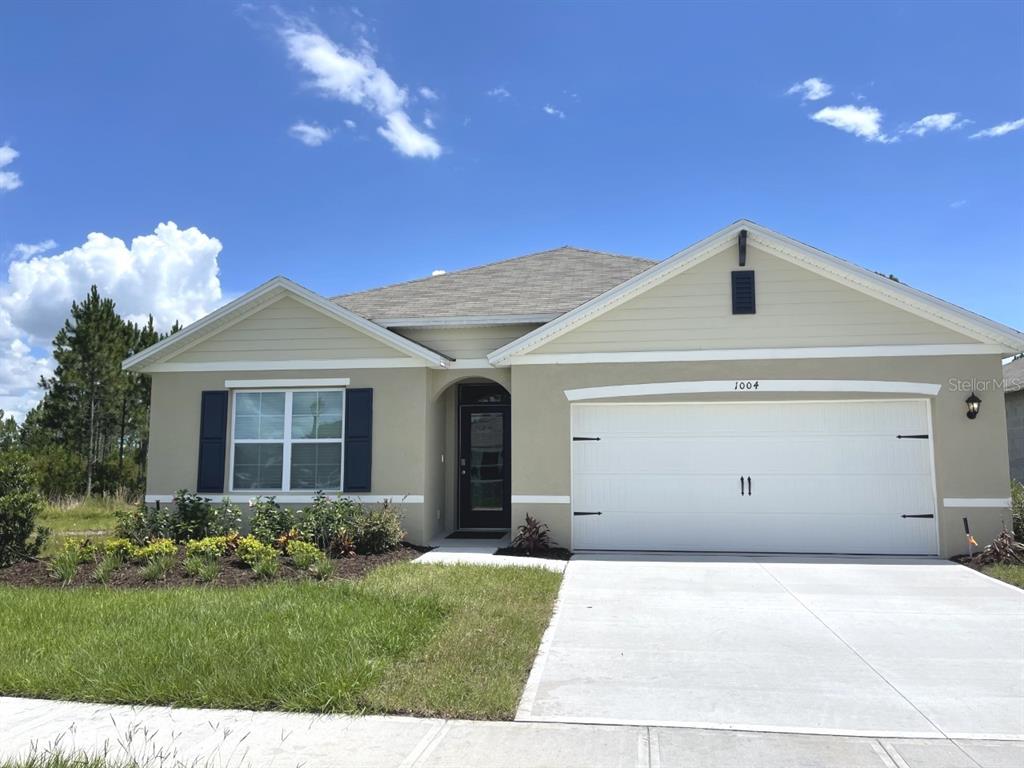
(482,552)
(163,737)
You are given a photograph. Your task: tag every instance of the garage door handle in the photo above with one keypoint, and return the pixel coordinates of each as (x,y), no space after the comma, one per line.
(742,492)
(585,514)
(917,515)
(750,488)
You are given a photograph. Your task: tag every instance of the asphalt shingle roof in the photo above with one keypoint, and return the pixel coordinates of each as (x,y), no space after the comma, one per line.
(550,282)
(1013,375)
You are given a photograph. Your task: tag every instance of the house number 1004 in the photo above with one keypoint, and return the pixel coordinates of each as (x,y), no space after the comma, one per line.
(746,385)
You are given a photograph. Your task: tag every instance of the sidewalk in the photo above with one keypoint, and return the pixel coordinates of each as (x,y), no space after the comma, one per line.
(168,737)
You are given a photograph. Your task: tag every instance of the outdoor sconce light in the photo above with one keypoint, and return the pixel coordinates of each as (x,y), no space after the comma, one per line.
(973,406)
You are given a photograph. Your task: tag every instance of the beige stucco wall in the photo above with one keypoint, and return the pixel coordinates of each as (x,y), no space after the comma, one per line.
(287,330)
(970,456)
(400,424)
(795,308)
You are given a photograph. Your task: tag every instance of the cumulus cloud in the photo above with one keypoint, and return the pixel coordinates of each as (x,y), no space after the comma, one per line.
(172,274)
(999,130)
(499,93)
(554,112)
(865,122)
(428,120)
(9,180)
(28,250)
(350,124)
(355,78)
(428,93)
(811,89)
(310,134)
(946,121)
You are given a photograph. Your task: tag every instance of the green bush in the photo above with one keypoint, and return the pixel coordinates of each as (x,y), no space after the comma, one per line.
(377,529)
(1017,509)
(269,519)
(122,548)
(322,569)
(81,550)
(200,566)
(156,548)
(20,507)
(106,567)
(143,523)
(227,518)
(64,565)
(158,566)
(192,516)
(211,546)
(304,554)
(250,550)
(326,523)
(266,567)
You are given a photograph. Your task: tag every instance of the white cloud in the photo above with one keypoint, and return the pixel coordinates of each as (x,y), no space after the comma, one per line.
(428,120)
(553,111)
(350,123)
(171,274)
(946,121)
(428,93)
(312,135)
(958,204)
(811,89)
(499,93)
(865,122)
(28,250)
(9,180)
(999,130)
(354,77)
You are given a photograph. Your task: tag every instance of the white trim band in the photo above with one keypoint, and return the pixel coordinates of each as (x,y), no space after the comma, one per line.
(298,498)
(541,499)
(287,365)
(784,353)
(283,383)
(987,503)
(752,387)
(464,320)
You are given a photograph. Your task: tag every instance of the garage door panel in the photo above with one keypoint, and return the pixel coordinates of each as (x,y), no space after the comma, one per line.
(825,477)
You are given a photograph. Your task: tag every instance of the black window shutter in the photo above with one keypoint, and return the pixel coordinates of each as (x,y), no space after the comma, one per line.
(743,293)
(213,426)
(358,438)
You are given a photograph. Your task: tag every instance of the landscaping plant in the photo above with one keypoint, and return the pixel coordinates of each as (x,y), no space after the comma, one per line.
(532,537)
(155,548)
(158,566)
(202,567)
(64,565)
(143,523)
(304,554)
(377,529)
(1017,508)
(191,518)
(1004,549)
(326,524)
(106,567)
(20,506)
(269,519)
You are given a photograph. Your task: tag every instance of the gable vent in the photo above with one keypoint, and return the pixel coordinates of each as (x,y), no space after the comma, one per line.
(743,293)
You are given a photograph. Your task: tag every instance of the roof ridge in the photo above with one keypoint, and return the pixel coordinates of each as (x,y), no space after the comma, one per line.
(491,264)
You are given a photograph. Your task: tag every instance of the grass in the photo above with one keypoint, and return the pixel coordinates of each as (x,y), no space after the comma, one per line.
(91,517)
(1011,574)
(452,641)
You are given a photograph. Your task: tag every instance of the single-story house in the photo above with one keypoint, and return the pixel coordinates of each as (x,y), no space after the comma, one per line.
(1013,392)
(749,393)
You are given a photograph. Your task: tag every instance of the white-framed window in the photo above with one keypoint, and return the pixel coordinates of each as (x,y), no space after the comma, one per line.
(287,440)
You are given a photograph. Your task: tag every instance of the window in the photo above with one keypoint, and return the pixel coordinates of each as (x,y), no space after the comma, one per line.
(287,441)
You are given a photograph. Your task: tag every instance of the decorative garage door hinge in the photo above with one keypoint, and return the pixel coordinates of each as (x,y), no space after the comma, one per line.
(912,437)
(584,439)
(585,514)
(917,515)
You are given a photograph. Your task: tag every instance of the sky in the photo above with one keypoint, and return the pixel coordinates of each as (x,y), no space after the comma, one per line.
(178,154)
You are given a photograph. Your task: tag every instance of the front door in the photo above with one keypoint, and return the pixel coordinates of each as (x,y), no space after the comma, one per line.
(485,488)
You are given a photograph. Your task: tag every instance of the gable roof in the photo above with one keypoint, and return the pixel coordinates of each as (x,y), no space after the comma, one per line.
(533,288)
(864,280)
(1013,375)
(260,297)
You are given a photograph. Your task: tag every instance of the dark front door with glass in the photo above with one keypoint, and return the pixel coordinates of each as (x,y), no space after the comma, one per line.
(485,490)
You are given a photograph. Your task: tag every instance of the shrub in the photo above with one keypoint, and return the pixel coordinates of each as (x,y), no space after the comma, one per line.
(192,516)
(121,548)
(157,566)
(156,548)
(20,507)
(532,537)
(143,523)
(321,569)
(326,523)
(266,566)
(106,567)
(1017,508)
(269,519)
(227,519)
(250,550)
(210,547)
(64,566)
(376,529)
(201,567)
(304,554)
(80,550)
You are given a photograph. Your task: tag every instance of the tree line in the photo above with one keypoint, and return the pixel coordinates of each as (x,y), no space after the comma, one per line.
(90,432)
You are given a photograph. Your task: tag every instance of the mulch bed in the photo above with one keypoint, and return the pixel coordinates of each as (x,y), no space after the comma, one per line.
(233,572)
(555,553)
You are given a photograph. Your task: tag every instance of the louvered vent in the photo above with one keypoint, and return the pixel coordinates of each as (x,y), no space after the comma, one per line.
(743,293)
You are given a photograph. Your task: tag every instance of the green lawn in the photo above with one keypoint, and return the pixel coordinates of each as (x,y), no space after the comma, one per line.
(452,641)
(92,517)
(1011,574)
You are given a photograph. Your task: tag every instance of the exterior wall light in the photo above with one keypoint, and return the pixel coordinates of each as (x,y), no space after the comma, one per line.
(973,406)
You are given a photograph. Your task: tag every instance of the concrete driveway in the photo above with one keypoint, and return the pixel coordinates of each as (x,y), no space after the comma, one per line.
(853,646)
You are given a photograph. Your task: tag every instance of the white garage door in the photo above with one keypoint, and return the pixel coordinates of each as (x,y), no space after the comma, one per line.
(830,477)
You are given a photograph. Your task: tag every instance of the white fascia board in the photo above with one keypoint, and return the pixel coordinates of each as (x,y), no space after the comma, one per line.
(900,295)
(784,353)
(466,320)
(763,386)
(282,285)
(283,383)
(287,365)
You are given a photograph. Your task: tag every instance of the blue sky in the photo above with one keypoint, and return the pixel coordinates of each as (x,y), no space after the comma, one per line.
(622,127)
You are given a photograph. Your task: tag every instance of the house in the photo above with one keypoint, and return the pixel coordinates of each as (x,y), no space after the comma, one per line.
(1013,392)
(749,393)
